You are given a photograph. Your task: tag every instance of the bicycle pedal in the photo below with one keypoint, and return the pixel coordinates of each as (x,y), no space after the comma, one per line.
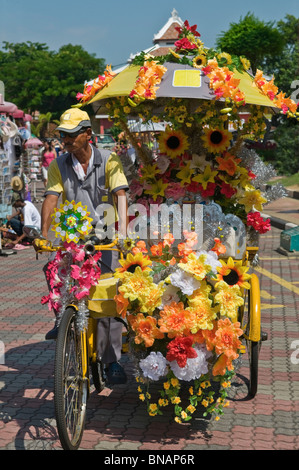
(264,336)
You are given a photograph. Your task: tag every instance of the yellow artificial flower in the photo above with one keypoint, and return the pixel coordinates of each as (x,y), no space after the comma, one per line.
(149,172)
(173,142)
(185,174)
(207,177)
(229,299)
(226,56)
(216,140)
(204,316)
(199,61)
(252,200)
(196,266)
(233,273)
(245,62)
(200,296)
(131,262)
(157,189)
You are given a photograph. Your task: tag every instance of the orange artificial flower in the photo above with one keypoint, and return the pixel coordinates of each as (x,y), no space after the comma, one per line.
(221,365)
(184,251)
(156,250)
(229,163)
(175,320)
(168,239)
(121,304)
(145,328)
(227,338)
(219,248)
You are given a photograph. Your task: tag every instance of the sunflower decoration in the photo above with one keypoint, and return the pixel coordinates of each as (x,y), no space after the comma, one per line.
(131,262)
(173,142)
(216,140)
(199,61)
(71,221)
(233,273)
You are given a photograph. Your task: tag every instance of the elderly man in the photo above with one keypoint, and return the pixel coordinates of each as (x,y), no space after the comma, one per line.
(94,178)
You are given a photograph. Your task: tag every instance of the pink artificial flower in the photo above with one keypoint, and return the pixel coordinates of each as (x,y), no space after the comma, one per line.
(136,189)
(175,191)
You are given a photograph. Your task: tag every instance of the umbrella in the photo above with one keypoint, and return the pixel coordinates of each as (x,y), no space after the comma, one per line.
(28,117)
(33,142)
(179,81)
(8,108)
(18,114)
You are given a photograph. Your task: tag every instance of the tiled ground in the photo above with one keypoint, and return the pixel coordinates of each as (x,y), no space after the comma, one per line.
(116,419)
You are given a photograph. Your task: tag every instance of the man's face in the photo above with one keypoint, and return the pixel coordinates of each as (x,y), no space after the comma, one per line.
(76,141)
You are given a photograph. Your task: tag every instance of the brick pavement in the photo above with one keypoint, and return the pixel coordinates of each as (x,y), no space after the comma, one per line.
(116,419)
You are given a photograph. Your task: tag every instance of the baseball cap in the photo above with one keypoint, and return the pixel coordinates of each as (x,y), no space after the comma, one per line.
(73,120)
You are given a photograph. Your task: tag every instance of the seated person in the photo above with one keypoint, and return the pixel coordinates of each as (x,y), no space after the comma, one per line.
(25,214)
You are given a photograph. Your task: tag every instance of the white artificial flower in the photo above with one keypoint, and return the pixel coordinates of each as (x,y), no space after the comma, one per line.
(169,295)
(154,366)
(212,259)
(195,367)
(186,282)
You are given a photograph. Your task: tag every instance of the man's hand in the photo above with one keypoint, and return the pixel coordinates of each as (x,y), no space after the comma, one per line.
(39,243)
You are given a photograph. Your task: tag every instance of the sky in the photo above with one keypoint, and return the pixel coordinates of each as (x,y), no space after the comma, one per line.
(114,29)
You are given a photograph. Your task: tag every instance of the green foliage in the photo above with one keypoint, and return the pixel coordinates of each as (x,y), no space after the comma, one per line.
(253,38)
(38,79)
(285,156)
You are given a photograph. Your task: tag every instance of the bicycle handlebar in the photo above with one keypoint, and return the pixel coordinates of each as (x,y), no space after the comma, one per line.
(51,248)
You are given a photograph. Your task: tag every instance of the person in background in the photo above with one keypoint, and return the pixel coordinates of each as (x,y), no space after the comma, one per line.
(48,154)
(25,213)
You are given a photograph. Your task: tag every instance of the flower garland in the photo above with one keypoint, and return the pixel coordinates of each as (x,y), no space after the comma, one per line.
(182,310)
(97,85)
(71,273)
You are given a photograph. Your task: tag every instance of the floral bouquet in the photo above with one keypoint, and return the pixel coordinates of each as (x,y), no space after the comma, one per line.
(181,306)
(72,272)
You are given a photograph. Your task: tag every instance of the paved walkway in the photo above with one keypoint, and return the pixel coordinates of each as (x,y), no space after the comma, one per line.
(116,419)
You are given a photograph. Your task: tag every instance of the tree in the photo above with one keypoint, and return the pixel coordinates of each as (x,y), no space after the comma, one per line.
(252,38)
(38,79)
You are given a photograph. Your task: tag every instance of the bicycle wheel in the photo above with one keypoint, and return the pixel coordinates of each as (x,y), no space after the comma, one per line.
(70,386)
(97,371)
(253,335)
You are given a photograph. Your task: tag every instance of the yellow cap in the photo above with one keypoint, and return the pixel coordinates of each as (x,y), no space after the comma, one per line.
(72,120)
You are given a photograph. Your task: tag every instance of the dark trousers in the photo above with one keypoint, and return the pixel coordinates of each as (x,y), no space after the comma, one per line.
(16,225)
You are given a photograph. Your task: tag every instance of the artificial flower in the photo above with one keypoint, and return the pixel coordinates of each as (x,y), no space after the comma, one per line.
(180,349)
(204,315)
(154,366)
(184,281)
(173,142)
(194,366)
(175,191)
(233,273)
(227,340)
(252,199)
(122,304)
(196,266)
(208,176)
(170,295)
(71,221)
(145,328)
(199,61)
(216,140)
(156,189)
(228,163)
(175,320)
(255,220)
(130,263)
(229,299)
(185,174)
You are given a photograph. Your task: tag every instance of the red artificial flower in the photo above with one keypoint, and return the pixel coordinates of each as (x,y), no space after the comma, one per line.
(180,29)
(255,220)
(180,349)
(209,191)
(184,43)
(227,190)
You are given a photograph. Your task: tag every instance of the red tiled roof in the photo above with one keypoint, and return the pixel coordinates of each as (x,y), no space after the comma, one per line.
(170,34)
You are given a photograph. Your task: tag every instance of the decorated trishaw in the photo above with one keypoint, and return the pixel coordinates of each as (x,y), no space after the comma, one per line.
(184,286)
